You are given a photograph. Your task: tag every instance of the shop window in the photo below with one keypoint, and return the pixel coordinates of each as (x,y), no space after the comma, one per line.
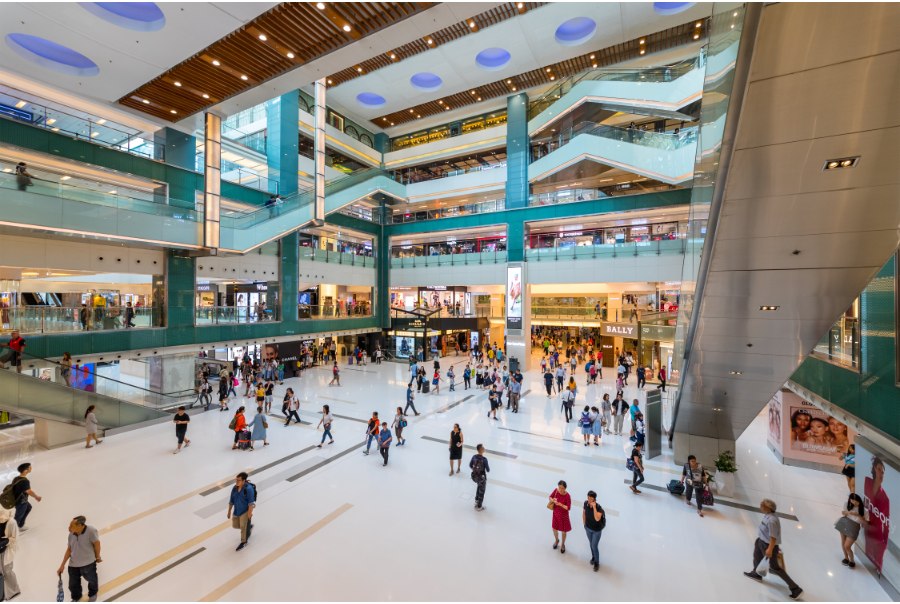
(841,345)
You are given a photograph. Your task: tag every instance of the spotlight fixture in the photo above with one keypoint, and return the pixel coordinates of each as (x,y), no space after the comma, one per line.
(51,121)
(592,57)
(393,56)
(430,41)
(262,37)
(472,92)
(509,81)
(594,66)
(841,162)
(552,78)
(514,88)
(411,111)
(177,84)
(698,24)
(696,36)
(290,55)
(643,51)
(64,178)
(216,62)
(520,5)
(172,111)
(243,77)
(769,308)
(642,40)
(205,96)
(145,101)
(447,107)
(320,5)
(94,134)
(418,117)
(359,69)
(440,102)
(736,372)
(478,99)
(329,82)
(472,24)
(20,104)
(347,27)
(99,122)
(547,70)
(392,123)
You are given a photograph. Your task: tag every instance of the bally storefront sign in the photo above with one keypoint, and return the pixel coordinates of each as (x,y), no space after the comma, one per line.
(621,330)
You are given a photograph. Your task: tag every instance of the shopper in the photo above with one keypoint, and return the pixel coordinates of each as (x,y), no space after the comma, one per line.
(636,466)
(181,420)
(336,375)
(641,377)
(410,396)
(83,556)
(451,376)
(480,468)
(384,442)
(241,506)
(548,382)
(259,427)
(372,431)
(662,379)
(693,477)
(398,425)
(16,346)
(515,393)
(766,546)
(596,425)
(325,422)
(606,412)
(586,424)
(639,428)
(560,378)
(65,368)
(849,469)
(456,447)
(21,490)
(270,391)
(23,176)
(494,400)
(293,410)
(467,377)
(568,403)
(561,503)
(619,410)
(90,427)
(436,381)
(848,525)
(594,520)
(10,532)
(238,424)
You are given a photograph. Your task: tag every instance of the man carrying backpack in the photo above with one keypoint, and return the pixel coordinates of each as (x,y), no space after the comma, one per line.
(480,467)
(17,493)
(240,507)
(693,476)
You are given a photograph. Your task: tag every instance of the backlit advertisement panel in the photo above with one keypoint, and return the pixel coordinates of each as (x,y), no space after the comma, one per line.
(878,483)
(514,297)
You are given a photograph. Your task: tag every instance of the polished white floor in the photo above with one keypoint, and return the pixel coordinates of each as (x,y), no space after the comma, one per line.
(408,531)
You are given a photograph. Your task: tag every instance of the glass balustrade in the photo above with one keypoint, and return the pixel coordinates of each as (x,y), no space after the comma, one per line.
(318,255)
(670,140)
(334,311)
(601,251)
(83,195)
(222,315)
(485,257)
(58,319)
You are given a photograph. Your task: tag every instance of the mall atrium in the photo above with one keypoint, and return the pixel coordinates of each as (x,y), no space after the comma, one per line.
(631,268)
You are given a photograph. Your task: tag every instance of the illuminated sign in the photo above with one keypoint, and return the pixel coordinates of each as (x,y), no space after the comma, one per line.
(514,297)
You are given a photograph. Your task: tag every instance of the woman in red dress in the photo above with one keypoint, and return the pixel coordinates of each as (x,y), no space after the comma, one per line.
(562,503)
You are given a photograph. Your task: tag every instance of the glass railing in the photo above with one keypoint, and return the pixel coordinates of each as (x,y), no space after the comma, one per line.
(333,311)
(578,194)
(353,259)
(482,207)
(59,319)
(296,201)
(255,141)
(666,73)
(472,124)
(587,313)
(232,172)
(363,213)
(841,345)
(216,315)
(414,175)
(94,130)
(111,199)
(492,257)
(604,251)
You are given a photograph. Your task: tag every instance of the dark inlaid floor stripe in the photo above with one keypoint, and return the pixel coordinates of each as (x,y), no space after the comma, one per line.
(149,578)
(730,504)
(471,448)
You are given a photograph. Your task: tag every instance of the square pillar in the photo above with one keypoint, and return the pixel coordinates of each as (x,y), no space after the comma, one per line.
(517,151)
(282,142)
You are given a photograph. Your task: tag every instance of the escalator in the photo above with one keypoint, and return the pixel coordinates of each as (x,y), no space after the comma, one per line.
(240,234)
(664,156)
(117,403)
(801,199)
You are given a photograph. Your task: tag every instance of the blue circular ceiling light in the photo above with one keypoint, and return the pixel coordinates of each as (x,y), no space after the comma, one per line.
(576,31)
(138,16)
(493,59)
(671,8)
(51,55)
(426,81)
(370,99)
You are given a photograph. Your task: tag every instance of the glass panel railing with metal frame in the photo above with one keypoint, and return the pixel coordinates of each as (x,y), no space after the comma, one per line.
(841,345)
(334,311)
(59,319)
(484,257)
(230,315)
(669,140)
(111,199)
(89,129)
(413,175)
(607,251)
(482,207)
(311,254)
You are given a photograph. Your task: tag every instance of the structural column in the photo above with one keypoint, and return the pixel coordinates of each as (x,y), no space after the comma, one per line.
(282,142)
(180,150)
(319,113)
(518,152)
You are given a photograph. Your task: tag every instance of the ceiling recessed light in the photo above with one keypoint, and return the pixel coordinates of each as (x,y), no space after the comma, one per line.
(592,57)
(735,14)
(735,372)
(841,162)
(447,107)
(346,27)
(552,77)
(66,177)
(113,192)
(509,81)
(440,102)
(472,24)
(146,102)
(411,111)
(216,62)
(56,129)
(696,36)
(263,37)
(642,40)
(172,111)
(514,88)
(94,134)
(547,70)
(320,5)
(178,84)
(290,55)
(51,121)
(769,308)
(732,26)
(392,123)
(393,56)
(243,77)
(418,116)
(698,24)
(520,5)
(430,41)
(594,66)
(329,81)
(99,122)
(643,51)
(359,69)
(478,99)
(471,92)
(20,104)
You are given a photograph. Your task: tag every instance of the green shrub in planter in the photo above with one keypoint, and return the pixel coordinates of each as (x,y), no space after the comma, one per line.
(725,462)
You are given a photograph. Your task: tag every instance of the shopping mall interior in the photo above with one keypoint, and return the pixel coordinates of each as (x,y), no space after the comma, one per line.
(646,251)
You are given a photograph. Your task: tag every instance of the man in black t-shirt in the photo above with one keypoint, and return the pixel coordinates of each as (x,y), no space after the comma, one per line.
(21,491)
(637,464)
(181,419)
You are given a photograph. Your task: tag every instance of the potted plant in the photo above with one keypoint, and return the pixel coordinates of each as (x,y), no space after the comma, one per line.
(725,469)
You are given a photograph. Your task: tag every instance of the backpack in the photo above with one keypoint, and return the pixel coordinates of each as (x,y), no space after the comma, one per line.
(4,541)
(602,517)
(478,470)
(8,496)
(255,491)
(585,419)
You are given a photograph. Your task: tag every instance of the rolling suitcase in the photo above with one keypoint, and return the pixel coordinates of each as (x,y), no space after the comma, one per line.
(675,487)
(426,387)
(244,440)
(707,498)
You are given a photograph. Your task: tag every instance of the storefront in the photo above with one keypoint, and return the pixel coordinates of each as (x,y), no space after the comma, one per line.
(618,338)
(657,347)
(252,301)
(434,335)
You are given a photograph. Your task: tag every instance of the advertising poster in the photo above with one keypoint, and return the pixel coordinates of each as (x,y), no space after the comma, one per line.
(810,434)
(773,433)
(514,296)
(468,304)
(878,483)
(83,377)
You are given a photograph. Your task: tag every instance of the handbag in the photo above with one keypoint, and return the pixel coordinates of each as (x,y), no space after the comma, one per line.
(60,594)
(550,505)
(846,527)
(629,464)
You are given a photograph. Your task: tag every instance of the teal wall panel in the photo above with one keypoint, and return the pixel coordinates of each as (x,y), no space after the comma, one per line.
(282,141)
(872,393)
(518,151)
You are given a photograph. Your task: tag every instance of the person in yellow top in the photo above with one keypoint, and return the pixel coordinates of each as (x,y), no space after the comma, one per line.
(99,307)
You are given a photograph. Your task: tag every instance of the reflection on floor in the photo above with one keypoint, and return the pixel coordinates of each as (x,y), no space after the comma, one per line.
(333,524)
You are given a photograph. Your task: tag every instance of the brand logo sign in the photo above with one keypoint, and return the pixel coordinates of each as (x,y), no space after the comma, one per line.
(619,329)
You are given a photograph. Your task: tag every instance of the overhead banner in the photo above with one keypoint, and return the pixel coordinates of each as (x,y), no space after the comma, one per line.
(514,297)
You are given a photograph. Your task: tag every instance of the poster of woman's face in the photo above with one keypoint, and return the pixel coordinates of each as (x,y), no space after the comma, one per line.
(814,431)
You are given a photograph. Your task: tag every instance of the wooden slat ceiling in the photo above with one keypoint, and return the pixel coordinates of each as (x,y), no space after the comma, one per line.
(471,25)
(295,33)
(662,40)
